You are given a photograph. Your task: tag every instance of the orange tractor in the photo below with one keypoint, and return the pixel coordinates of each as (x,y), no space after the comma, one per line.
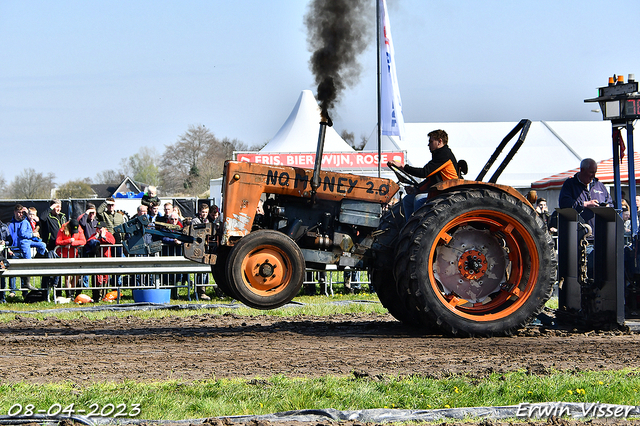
(474,260)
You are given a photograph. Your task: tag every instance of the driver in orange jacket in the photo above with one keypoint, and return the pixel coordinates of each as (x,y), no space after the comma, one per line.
(443,166)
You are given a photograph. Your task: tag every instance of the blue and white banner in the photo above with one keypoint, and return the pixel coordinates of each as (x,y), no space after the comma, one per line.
(390,103)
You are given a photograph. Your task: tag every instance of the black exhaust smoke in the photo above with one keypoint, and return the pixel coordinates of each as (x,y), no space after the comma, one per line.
(337,32)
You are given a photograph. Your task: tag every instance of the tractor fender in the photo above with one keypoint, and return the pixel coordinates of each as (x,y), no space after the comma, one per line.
(458,184)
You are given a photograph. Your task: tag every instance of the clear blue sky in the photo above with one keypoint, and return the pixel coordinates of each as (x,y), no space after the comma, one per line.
(86,83)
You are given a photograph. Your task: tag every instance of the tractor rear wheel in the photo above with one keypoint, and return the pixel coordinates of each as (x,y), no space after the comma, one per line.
(479,262)
(265,269)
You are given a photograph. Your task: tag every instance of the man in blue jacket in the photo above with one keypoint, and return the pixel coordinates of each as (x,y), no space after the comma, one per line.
(22,235)
(5,242)
(583,191)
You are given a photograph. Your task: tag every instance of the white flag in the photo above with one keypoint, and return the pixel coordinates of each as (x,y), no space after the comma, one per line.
(390,102)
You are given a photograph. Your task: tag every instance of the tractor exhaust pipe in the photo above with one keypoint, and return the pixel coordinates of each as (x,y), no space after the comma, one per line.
(315,180)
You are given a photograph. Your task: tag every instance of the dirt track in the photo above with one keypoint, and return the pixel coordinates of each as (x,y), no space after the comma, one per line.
(207,346)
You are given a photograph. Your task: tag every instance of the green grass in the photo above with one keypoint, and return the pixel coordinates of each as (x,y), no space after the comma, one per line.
(311,305)
(175,400)
(180,400)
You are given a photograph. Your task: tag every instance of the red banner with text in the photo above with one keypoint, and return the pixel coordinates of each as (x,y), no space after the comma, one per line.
(330,160)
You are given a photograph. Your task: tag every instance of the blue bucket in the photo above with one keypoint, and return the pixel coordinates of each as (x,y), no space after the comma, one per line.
(152,295)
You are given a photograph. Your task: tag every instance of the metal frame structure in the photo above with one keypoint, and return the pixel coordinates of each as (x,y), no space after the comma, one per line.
(620,104)
(598,297)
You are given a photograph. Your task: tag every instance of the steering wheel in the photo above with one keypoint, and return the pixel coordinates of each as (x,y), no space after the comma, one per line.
(402,176)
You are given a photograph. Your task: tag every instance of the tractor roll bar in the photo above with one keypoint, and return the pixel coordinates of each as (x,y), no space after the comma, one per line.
(523,128)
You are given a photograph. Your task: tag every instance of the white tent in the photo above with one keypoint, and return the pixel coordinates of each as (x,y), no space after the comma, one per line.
(300,132)
(550,146)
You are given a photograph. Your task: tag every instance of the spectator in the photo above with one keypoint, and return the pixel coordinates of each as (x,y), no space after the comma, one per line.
(168,209)
(583,191)
(107,213)
(543,211)
(150,196)
(148,239)
(351,283)
(626,218)
(5,240)
(23,239)
(177,211)
(88,220)
(50,222)
(111,218)
(532,197)
(70,238)
(88,223)
(310,283)
(22,233)
(172,247)
(34,220)
(624,205)
(102,236)
(142,210)
(214,214)
(154,210)
(626,215)
(202,217)
(203,214)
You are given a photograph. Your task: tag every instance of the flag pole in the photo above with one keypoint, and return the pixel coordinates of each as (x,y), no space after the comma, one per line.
(379,84)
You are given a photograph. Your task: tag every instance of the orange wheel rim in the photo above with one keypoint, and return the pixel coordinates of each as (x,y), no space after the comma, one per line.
(521,265)
(266,270)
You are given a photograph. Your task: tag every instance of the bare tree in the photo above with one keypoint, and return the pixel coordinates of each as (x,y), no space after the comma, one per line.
(256,146)
(195,158)
(109,176)
(212,164)
(30,185)
(3,185)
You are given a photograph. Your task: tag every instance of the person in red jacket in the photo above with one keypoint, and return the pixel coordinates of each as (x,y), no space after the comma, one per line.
(70,238)
(93,247)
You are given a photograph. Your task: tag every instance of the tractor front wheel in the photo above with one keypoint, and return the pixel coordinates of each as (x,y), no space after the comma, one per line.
(265,269)
(219,272)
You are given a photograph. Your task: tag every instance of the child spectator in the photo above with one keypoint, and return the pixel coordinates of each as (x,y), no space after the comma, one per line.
(150,196)
(70,238)
(34,220)
(92,248)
